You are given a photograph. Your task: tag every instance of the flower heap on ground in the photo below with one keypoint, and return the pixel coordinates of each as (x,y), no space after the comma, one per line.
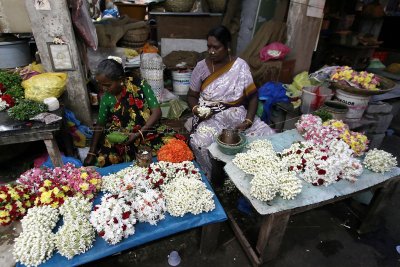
(14,202)
(379,161)
(53,186)
(270,175)
(312,129)
(35,244)
(76,236)
(362,80)
(133,185)
(113,219)
(175,151)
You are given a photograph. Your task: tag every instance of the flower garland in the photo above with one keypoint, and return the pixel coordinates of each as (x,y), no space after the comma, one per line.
(188,196)
(160,173)
(52,193)
(175,151)
(362,80)
(113,219)
(33,178)
(149,206)
(76,236)
(206,130)
(126,179)
(307,121)
(35,244)
(84,181)
(14,202)
(379,161)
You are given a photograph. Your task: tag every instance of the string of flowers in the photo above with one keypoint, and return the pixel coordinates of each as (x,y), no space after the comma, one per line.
(84,182)
(161,172)
(35,244)
(362,80)
(76,236)
(379,161)
(52,193)
(175,151)
(14,202)
(126,179)
(188,196)
(149,206)
(113,219)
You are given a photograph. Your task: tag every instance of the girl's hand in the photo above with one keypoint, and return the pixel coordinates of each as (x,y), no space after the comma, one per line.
(132,138)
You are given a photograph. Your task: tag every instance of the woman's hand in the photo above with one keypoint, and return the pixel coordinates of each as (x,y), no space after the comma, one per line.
(197,113)
(90,160)
(243,126)
(131,139)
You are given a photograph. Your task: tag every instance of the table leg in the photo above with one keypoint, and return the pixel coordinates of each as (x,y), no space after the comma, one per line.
(378,202)
(54,152)
(271,234)
(209,238)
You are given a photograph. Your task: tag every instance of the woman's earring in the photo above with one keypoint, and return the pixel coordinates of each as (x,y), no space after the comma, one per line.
(122,83)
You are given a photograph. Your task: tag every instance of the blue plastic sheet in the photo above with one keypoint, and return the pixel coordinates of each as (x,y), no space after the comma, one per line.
(49,164)
(144,232)
(271,93)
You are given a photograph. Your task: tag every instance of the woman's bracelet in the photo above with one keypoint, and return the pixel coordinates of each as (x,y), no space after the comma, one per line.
(195,106)
(91,153)
(249,121)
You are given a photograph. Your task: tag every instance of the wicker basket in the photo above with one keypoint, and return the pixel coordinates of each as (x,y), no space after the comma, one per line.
(216,6)
(386,86)
(178,5)
(137,35)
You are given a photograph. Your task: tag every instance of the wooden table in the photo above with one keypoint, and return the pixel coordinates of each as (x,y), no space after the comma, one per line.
(277,212)
(14,132)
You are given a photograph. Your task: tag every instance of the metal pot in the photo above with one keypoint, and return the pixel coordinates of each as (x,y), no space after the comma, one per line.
(337,109)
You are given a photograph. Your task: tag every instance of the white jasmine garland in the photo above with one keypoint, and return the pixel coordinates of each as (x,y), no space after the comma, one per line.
(149,206)
(205,130)
(264,186)
(289,185)
(188,195)
(113,219)
(259,160)
(379,161)
(74,237)
(261,144)
(124,180)
(35,244)
(75,207)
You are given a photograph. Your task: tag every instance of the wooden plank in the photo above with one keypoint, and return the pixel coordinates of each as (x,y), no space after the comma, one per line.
(54,152)
(255,261)
(25,137)
(209,238)
(271,234)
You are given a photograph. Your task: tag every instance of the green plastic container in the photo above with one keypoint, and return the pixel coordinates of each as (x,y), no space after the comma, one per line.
(232,150)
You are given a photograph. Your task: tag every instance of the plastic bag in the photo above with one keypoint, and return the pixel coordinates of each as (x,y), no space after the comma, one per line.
(274,50)
(300,80)
(83,22)
(45,85)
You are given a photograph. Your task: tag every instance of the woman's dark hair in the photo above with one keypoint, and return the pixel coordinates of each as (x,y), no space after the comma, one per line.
(222,34)
(111,69)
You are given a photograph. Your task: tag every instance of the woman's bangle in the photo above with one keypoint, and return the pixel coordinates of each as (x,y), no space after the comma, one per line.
(139,131)
(249,121)
(194,107)
(91,153)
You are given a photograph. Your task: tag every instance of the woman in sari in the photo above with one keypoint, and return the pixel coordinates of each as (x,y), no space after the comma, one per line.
(129,107)
(224,84)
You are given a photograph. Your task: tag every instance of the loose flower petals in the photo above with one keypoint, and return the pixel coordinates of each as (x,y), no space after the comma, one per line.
(175,151)
(379,161)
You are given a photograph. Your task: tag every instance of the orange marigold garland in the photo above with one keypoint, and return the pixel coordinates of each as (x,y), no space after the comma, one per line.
(175,151)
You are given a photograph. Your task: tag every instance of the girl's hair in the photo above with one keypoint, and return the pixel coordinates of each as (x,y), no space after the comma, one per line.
(111,69)
(222,34)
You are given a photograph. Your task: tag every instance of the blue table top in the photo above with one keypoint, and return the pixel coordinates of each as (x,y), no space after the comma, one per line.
(144,232)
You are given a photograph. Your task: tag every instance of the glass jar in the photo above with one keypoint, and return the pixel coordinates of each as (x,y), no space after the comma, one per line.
(144,156)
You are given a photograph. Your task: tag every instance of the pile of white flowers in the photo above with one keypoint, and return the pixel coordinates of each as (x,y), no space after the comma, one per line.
(113,219)
(124,180)
(379,161)
(35,244)
(76,236)
(260,158)
(149,206)
(161,173)
(188,195)
(206,130)
(266,185)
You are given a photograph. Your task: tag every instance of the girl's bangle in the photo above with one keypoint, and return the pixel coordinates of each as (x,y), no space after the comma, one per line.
(194,107)
(249,121)
(91,153)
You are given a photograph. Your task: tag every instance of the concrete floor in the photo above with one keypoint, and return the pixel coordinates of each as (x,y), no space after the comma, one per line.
(322,237)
